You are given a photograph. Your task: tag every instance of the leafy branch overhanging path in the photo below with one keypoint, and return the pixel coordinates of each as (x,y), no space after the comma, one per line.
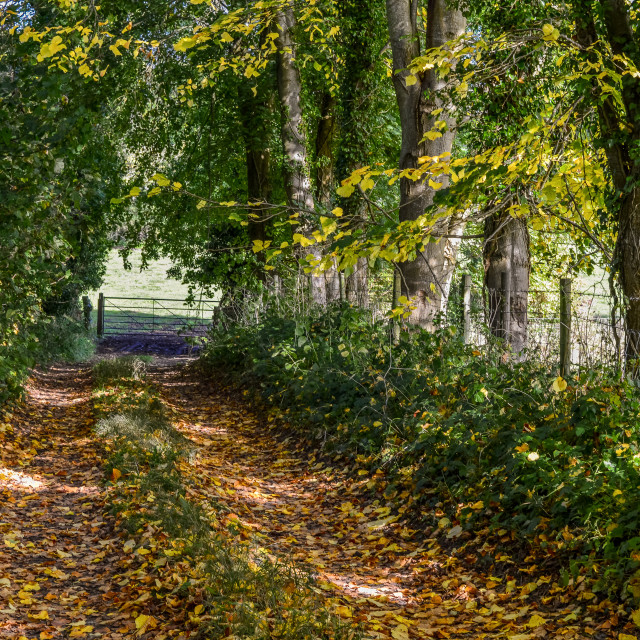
(63,572)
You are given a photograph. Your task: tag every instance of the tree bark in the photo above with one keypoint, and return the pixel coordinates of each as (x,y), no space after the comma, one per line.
(325,170)
(296,170)
(623,163)
(506,248)
(255,112)
(426,280)
(362,38)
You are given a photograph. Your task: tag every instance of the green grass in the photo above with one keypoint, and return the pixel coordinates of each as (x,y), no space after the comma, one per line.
(151,282)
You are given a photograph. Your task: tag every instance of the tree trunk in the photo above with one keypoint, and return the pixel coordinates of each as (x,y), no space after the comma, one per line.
(628,251)
(255,113)
(506,248)
(362,37)
(296,178)
(357,284)
(325,169)
(427,278)
(623,162)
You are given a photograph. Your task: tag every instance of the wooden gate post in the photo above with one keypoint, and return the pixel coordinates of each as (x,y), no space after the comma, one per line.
(565,327)
(100,324)
(505,306)
(466,307)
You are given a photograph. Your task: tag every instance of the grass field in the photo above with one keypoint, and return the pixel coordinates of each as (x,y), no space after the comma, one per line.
(136,283)
(150,283)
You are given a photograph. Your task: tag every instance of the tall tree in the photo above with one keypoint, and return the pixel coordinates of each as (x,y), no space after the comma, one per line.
(294,141)
(362,39)
(506,250)
(426,278)
(325,179)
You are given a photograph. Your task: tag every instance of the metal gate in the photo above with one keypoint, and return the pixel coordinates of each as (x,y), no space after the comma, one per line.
(156,316)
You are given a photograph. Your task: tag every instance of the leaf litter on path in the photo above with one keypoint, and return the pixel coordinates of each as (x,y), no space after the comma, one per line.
(398,582)
(66,572)
(62,570)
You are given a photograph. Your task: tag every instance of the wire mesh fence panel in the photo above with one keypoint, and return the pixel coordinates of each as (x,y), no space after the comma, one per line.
(594,340)
(158,316)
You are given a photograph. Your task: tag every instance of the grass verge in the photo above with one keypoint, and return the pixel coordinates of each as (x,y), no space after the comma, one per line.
(199,560)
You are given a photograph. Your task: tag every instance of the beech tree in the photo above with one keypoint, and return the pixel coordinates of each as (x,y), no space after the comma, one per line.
(425,280)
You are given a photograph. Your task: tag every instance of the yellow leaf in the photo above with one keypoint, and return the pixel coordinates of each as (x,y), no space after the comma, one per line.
(301,240)
(536,621)
(345,190)
(226,37)
(401,632)
(344,612)
(559,384)
(42,615)
(184,44)
(626,636)
(142,622)
(550,33)
(635,616)
(367,183)
(410,80)
(116,474)
(161,181)
(337,212)
(522,448)
(199,609)
(135,191)
(432,135)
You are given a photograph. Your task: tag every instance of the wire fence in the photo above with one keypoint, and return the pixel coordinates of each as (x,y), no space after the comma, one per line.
(535,324)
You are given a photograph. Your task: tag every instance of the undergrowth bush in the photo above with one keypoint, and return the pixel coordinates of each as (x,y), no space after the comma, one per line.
(560,465)
(48,340)
(63,338)
(246,592)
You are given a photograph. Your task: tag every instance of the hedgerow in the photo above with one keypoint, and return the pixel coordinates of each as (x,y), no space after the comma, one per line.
(502,439)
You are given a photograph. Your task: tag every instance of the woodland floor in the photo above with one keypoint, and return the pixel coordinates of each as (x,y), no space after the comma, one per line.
(63,573)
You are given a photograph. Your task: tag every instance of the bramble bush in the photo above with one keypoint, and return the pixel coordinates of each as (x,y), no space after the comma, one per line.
(506,440)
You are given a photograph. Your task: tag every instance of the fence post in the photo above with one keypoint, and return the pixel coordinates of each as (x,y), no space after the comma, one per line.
(87,307)
(465,287)
(505,310)
(100,327)
(565,327)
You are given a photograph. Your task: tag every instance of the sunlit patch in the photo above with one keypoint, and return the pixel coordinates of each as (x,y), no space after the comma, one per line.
(22,480)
